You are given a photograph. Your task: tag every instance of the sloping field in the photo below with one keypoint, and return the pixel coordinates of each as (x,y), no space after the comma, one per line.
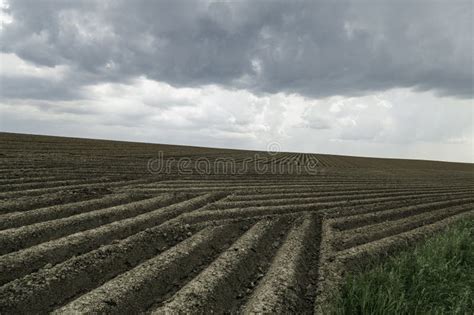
(95,226)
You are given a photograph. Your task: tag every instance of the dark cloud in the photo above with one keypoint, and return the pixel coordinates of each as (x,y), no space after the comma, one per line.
(314,48)
(35,88)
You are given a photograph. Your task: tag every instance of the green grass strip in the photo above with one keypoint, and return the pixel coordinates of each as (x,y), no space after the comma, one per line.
(436,277)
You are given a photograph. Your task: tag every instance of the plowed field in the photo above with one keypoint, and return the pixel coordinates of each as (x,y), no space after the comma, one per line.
(86,226)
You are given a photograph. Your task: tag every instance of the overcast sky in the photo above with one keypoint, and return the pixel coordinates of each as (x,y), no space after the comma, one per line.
(373,78)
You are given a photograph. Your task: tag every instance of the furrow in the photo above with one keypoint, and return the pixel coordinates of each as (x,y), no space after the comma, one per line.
(365,234)
(398,203)
(334,192)
(22,180)
(49,184)
(288,287)
(41,191)
(388,245)
(219,285)
(29,235)
(49,287)
(253,189)
(52,252)
(262,184)
(57,198)
(304,200)
(18,219)
(275,180)
(355,221)
(330,209)
(136,289)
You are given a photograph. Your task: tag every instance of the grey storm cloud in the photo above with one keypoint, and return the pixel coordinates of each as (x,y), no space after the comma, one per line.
(313,48)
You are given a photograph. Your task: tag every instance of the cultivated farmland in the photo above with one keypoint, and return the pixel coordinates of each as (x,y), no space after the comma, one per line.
(94,226)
